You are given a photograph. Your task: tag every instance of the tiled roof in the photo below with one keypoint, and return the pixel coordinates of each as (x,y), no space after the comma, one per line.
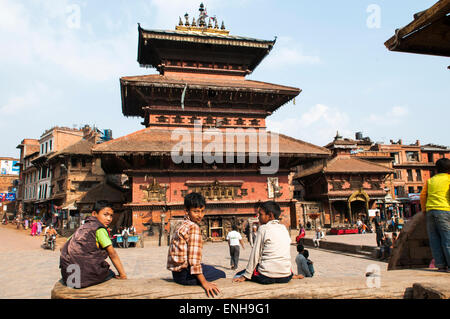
(345,164)
(104,191)
(159,141)
(207,82)
(213,38)
(82,147)
(426,34)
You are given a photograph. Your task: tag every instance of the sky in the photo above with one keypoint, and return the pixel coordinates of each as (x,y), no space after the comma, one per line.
(61,61)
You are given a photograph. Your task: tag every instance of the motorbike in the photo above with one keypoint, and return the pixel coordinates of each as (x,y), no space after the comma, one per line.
(50,243)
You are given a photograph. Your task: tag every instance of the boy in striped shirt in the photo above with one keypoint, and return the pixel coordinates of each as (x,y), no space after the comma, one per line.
(185,251)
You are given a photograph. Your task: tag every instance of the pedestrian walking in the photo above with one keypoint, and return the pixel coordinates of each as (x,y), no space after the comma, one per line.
(5,219)
(234,239)
(34,228)
(435,202)
(125,235)
(39,228)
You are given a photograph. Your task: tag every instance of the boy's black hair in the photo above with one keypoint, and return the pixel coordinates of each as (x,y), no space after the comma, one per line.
(194,200)
(100,204)
(271,207)
(305,253)
(257,205)
(300,248)
(234,227)
(443,165)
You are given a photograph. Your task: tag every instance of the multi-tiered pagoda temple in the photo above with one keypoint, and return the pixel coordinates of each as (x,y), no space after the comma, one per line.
(201,90)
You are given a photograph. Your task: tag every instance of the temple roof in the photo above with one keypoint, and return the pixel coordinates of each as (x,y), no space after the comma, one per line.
(104,191)
(134,99)
(82,147)
(428,33)
(156,47)
(345,164)
(155,141)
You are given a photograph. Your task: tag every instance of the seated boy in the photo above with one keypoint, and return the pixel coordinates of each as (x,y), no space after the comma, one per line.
(88,248)
(270,258)
(303,266)
(185,251)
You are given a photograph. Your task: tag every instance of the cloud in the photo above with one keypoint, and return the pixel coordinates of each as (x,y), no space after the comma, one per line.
(393,116)
(287,52)
(30,100)
(53,35)
(317,125)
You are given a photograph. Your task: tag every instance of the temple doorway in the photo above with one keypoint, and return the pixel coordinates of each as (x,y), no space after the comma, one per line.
(358,205)
(358,210)
(340,212)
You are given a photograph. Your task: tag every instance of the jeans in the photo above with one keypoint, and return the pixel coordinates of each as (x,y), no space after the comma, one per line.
(438,228)
(184,277)
(260,278)
(234,254)
(379,239)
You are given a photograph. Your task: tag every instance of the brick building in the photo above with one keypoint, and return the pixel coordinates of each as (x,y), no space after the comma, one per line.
(201,89)
(410,166)
(9,175)
(345,186)
(56,171)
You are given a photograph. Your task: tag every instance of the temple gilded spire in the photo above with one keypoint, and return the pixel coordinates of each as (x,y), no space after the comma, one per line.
(203,24)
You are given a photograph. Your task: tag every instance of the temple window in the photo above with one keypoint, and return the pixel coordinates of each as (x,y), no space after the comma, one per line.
(162,119)
(178,119)
(209,120)
(193,119)
(255,122)
(240,121)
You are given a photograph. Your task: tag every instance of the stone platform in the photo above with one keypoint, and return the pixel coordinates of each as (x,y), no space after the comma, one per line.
(396,284)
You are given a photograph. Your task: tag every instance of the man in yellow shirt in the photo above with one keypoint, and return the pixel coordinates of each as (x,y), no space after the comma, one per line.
(435,202)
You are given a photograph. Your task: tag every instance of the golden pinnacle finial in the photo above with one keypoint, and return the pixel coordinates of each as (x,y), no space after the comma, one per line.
(200,25)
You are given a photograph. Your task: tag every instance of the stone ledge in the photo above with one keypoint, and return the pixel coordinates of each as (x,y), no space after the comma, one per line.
(393,285)
(364,250)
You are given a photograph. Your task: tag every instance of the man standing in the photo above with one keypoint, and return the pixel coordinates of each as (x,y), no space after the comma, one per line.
(234,239)
(378,229)
(435,202)
(125,234)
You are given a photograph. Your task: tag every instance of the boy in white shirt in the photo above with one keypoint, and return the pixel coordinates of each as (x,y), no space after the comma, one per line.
(234,239)
(270,259)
